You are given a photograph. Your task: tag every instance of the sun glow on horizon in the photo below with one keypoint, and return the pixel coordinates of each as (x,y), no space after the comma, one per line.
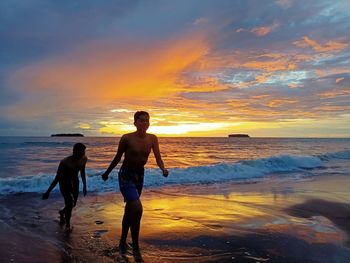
(175,129)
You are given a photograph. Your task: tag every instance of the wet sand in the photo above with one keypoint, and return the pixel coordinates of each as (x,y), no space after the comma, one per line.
(270,221)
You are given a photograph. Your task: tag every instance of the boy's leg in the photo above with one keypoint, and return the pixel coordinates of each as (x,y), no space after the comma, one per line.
(125,229)
(136,212)
(130,194)
(62,217)
(69,204)
(132,219)
(68,214)
(75,193)
(125,224)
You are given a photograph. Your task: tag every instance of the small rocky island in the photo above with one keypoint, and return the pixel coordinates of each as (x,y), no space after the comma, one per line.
(67,135)
(239,135)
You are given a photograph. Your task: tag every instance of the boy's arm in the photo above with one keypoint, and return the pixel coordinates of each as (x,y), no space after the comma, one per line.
(83,176)
(156,151)
(54,182)
(121,149)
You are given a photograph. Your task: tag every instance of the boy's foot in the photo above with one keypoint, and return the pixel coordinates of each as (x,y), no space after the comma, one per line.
(62,217)
(123,248)
(68,229)
(137,255)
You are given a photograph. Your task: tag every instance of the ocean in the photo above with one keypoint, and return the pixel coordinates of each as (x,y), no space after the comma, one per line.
(29,164)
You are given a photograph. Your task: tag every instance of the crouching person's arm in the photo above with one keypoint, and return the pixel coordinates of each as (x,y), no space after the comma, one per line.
(83,176)
(54,183)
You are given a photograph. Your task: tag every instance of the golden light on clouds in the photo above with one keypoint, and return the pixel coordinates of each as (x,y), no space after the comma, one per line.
(105,71)
(265,30)
(211,74)
(338,80)
(271,65)
(330,46)
(335,93)
(279,102)
(84,126)
(120,110)
(183,129)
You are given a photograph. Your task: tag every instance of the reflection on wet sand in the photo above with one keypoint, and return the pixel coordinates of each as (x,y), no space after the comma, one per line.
(265,222)
(336,212)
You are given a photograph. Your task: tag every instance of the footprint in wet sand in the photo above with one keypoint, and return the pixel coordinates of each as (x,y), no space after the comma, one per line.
(98,233)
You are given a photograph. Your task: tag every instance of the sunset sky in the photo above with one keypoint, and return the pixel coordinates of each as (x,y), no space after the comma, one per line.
(201,68)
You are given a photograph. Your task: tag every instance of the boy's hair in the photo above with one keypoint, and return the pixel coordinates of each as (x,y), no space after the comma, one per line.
(138,114)
(78,147)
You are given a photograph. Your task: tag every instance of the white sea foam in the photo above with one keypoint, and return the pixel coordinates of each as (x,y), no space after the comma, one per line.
(242,171)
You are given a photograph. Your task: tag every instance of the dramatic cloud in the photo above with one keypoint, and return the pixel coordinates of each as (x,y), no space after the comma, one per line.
(108,71)
(200,67)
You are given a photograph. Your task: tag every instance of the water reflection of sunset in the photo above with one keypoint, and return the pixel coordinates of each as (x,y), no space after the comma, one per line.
(197,212)
(192,212)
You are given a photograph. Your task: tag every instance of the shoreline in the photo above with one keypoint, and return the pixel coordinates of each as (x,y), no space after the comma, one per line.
(268,221)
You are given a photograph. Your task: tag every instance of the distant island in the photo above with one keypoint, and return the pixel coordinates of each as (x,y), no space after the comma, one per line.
(239,135)
(67,135)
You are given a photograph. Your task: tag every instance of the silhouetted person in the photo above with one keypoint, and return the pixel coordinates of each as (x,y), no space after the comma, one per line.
(136,147)
(67,177)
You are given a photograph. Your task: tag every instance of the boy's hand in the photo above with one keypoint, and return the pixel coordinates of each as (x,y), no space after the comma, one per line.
(165,172)
(84,191)
(45,196)
(104,176)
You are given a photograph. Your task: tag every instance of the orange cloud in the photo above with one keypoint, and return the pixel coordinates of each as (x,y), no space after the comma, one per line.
(330,46)
(295,86)
(265,107)
(335,93)
(264,30)
(261,78)
(268,62)
(200,84)
(280,102)
(263,96)
(271,65)
(105,71)
(333,108)
(331,71)
(338,80)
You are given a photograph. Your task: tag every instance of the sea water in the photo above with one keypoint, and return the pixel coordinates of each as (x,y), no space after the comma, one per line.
(29,164)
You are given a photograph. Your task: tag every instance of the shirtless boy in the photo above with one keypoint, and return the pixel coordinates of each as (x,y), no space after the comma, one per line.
(136,147)
(67,177)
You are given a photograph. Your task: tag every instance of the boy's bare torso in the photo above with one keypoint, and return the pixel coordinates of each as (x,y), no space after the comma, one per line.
(71,167)
(137,150)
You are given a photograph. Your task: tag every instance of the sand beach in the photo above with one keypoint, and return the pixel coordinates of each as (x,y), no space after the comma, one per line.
(268,221)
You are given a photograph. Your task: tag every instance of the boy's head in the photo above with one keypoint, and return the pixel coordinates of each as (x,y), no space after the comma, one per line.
(79,150)
(141,120)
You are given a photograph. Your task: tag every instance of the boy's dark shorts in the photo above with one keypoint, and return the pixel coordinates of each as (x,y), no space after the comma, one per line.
(130,183)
